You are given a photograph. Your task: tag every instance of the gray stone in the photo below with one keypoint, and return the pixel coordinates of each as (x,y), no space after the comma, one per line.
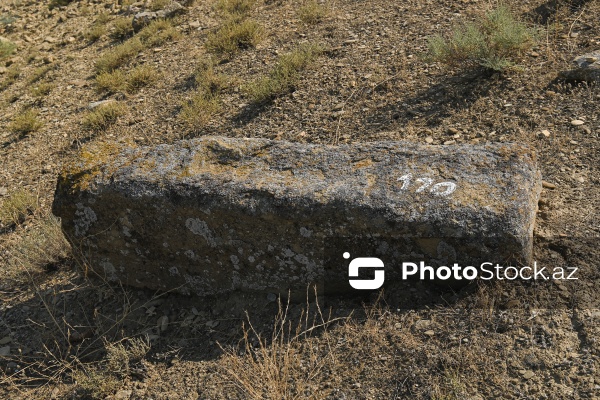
(587,68)
(142,19)
(215,215)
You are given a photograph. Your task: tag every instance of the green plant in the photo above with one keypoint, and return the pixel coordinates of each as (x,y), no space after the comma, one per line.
(284,75)
(120,81)
(235,35)
(25,123)
(493,43)
(118,56)
(312,12)
(122,29)
(6,48)
(103,116)
(209,81)
(157,33)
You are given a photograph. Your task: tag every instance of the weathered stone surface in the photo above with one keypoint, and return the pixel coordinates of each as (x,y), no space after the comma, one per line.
(214,215)
(142,19)
(587,68)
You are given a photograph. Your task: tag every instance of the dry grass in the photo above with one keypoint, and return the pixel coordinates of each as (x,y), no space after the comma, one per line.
(140,76)
(129,82)
(10,77)
(311,12)
(122,29)
(42,89)
(16,207)
(40,73)
(200,109)
(94,33)
(158,33)
(237,8)
(6,48)
(111,81)
(235,35)
(284,75)
(156,5)
(25,123)
(118,55)
(104,116)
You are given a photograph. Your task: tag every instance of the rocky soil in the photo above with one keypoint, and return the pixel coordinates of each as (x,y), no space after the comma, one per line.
(61,327)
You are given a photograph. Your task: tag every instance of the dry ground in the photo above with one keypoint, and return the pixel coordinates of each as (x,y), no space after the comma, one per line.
(65,334)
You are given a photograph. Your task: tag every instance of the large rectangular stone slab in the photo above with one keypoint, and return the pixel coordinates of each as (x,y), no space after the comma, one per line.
(214,215)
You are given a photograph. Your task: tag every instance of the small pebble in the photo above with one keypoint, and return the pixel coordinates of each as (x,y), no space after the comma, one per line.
(546,132)
(429,139)
(577,122)
(548,185)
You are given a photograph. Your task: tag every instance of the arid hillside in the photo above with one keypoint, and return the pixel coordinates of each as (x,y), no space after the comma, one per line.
(78,77)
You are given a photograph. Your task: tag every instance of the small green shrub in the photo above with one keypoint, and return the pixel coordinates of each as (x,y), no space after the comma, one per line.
(25,123)
(122,29)
(312,12)
(103,116)
(157,33)
(493,43)
(6,48)
(235,35)
(118,56)
(284,75)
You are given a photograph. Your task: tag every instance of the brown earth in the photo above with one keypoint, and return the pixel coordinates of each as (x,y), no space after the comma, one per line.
(62,325)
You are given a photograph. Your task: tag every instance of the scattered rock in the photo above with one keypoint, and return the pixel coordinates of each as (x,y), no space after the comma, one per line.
(142,19)
(429,333)
(3,191)
(5,351)
(5,340)
(429,139)
(422,324)
(96,104)
(546,133)
(587,68)
(163,323)
(3,70)
(123,395)
(527,374)
(548,185)
(577,122)
(195,24)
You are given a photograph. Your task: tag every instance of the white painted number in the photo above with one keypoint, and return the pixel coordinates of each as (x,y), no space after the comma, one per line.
(439,189)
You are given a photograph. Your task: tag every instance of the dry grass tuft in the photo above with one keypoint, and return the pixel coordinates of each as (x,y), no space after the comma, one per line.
(16,207)
(118,56)
(6,48)
(104,116)
(157,33)
(284,75)
(94,33)
(235,35)
(122,29)
(10,77)
(120,81)
(235,7)
(25,123)
(42,89)
(200,109)
(312,12)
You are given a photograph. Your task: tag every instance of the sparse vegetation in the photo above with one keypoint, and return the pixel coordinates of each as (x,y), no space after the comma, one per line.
(25,123)
(6,48)
(59,3)
(198,111)
(311,12)
(95,32)
(122,29)
(16,207)
(493,44)
(118,56)
(235,35)
(284,75)
(10,77)
(120,81)
(157,33)
(156,5)
(237,8)
(103,116)
(41,89)
(40,73)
